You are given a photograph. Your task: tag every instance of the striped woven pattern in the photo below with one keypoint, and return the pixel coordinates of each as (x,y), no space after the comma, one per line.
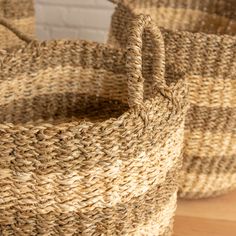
(84,149)
(21,14)
(200,43)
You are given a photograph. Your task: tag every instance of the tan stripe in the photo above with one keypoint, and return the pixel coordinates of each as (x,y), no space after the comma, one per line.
(190,20)
(212,92)
(157,204)
(209,143)
(206,185)
(211,119)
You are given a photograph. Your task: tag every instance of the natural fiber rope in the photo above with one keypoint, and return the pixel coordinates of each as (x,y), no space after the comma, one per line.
(75,159)
(6,23)
(134,49)
(200,44)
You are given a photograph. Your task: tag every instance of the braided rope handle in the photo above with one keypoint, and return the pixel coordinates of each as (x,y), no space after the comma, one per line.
(134,61)
(11,27)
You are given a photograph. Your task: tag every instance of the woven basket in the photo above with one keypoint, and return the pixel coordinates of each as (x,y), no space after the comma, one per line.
(21,14)
(84,149)
(200,42)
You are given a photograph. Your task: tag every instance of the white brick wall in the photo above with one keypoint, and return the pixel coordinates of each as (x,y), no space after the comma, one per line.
(76,19)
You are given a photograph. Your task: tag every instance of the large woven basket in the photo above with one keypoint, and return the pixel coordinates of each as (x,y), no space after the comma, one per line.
(21,14)
(200,42)
(84,150)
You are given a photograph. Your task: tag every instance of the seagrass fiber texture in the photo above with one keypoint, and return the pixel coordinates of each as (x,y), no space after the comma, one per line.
(200,42)
(21,14)
(90,143)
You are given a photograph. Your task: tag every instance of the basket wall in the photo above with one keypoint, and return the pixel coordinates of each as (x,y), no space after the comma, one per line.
(74,158)
(200,42)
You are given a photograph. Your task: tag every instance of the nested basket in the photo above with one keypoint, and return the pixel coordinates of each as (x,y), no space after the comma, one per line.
(201,43)
(21,14)
(84,149)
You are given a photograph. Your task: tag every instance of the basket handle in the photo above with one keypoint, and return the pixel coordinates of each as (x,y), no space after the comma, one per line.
(114,1)
(134,61)
(11,27)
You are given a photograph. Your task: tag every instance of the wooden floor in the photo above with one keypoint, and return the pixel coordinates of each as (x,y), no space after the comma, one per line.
(209,217)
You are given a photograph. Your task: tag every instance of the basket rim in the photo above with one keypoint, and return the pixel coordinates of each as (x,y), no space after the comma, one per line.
(217,37)
(35,46)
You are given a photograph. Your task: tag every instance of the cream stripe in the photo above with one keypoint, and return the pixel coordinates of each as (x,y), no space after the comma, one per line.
(212,92)
(159,223)
(209,144)
(117,193)
(204,185)
(24,22)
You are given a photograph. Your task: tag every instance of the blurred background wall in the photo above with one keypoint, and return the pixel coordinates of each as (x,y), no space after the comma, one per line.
(83,19)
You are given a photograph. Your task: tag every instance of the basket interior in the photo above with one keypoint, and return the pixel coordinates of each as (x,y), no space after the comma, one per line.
(61,108)
(62,95)
(211,17)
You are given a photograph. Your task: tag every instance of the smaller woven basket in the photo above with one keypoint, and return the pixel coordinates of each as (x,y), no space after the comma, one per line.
(84,149)
(200,42)
(21,14)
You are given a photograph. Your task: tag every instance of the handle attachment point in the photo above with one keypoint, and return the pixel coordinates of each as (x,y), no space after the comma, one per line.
(139,25)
